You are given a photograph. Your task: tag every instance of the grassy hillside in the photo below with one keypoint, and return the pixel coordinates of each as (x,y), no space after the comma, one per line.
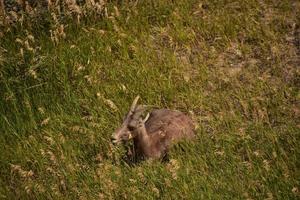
(65,85)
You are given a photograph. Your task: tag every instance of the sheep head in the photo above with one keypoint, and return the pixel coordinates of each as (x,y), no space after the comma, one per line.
(132,121)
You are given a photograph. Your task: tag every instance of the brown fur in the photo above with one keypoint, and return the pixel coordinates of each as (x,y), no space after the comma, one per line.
(163,128)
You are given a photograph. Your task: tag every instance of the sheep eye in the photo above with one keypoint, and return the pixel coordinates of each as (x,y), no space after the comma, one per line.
(125,136)
(131,128)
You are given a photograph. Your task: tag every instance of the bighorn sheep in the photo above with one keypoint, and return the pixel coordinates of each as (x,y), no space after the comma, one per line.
(153,135)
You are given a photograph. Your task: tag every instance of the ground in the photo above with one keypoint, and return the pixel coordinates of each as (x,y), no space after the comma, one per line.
(66,83)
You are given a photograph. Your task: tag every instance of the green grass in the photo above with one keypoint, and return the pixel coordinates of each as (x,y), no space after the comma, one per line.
(234,64)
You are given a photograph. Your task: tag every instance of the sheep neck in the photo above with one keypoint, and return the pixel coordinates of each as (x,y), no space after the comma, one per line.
(144,140)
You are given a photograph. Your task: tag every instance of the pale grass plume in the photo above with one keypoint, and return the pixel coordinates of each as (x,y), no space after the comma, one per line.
(173,167)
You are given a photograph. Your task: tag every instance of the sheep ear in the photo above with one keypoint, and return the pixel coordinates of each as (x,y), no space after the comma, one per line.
(138,112)
(141,108)
(137,119)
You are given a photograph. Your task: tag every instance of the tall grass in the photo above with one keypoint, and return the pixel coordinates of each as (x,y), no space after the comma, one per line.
(68,73)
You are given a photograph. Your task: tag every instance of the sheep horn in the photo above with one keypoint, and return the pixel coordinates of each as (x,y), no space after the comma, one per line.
(146,118)
(134,104)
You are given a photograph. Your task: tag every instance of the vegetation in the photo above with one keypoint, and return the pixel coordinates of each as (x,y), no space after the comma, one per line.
(68,77)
